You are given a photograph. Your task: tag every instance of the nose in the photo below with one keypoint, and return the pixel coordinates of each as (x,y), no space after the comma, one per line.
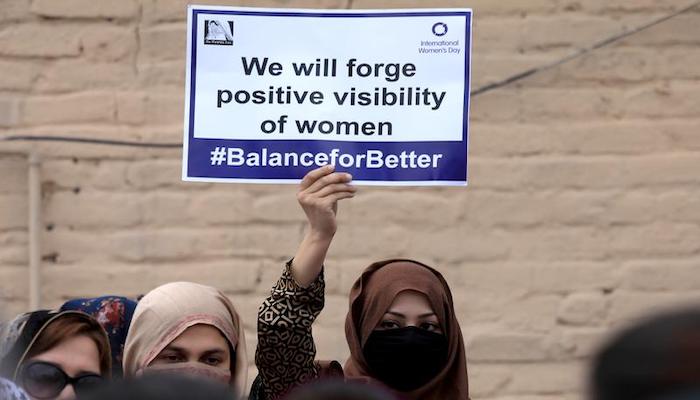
(68,393)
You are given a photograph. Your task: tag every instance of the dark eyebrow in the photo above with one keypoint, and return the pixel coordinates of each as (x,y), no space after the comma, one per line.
(170,347)
(214,351)
(394,313)
(398,314)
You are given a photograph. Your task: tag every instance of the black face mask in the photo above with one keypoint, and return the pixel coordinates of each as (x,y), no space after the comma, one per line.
(405,358)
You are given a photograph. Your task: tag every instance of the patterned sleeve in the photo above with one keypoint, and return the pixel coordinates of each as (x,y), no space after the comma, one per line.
(286,351)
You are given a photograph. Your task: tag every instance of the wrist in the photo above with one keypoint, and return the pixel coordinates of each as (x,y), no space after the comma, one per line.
(320,236)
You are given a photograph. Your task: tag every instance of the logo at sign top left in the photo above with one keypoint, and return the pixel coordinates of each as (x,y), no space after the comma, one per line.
(218,32)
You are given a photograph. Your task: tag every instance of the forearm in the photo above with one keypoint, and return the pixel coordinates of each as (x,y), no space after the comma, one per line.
(310,256)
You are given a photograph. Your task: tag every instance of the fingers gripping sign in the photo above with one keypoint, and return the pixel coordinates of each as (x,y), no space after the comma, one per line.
(319,193)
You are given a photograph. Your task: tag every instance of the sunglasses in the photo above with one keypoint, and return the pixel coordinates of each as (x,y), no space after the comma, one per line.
(43,380)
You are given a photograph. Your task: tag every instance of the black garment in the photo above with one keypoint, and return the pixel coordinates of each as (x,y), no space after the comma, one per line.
(405,358)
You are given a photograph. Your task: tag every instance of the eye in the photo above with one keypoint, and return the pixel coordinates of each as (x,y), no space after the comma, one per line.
(389,324)
(171,358)
(213,361)
(431,327)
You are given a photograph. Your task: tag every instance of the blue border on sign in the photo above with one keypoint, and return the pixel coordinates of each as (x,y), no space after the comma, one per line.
(201,144)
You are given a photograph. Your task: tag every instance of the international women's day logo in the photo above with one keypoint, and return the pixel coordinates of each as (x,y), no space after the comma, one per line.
(218,32)
(440,29)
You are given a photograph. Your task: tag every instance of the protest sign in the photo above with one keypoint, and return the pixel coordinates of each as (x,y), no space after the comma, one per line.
(381,94)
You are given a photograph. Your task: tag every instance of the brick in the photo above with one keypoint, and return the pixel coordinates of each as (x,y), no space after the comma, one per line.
(84,280)
(557,244)
(611,66)
(682,30)
(490,67)
(433,203)
(13,174)
(173,244)
(13,211)
(499,347)
(632,137)
(36,40)
(331,344)
(279,206)
(677,100)
(356,240)
(561,377)
(533,314)
(154,109)
(175,10)
(481,307)
(73,108)
(628,305)
(14,10)
(566,277)
(78,75)
(661,275)
(156,173)
(584,342)
(9,112)
(524,210)
(452,244)
(92,210)
(17,76)
(583,309)
(164,10)
(12,308)
(86,8)
(165,73)
(496,106)
(14,254)
(109,43)
(658,170)
(247,307)
(162,43)
(627,6)
(513,278)
(341,273)
(76,173)
(637,207)
(676,62)
(535,33)
(168,209)
(336,319)
(217,208)
(655,240)
(486,380)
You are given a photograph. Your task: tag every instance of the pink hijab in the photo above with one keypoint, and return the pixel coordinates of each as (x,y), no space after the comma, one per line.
(167,311)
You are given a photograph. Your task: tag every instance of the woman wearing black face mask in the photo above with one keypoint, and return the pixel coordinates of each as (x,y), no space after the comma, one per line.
(401,327)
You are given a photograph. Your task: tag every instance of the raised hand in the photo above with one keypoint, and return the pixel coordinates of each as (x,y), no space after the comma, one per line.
(318,195)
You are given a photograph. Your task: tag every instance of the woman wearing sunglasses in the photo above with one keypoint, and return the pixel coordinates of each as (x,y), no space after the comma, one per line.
(55,355)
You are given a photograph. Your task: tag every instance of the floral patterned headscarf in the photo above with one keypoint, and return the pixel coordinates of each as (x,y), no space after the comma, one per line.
(114,313)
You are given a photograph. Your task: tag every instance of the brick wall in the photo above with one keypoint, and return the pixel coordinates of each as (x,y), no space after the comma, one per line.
(583,209)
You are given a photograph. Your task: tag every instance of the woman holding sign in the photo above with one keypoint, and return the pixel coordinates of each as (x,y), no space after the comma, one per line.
(401,327)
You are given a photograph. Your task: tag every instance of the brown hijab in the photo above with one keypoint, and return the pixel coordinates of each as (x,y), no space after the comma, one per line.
(371,296)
